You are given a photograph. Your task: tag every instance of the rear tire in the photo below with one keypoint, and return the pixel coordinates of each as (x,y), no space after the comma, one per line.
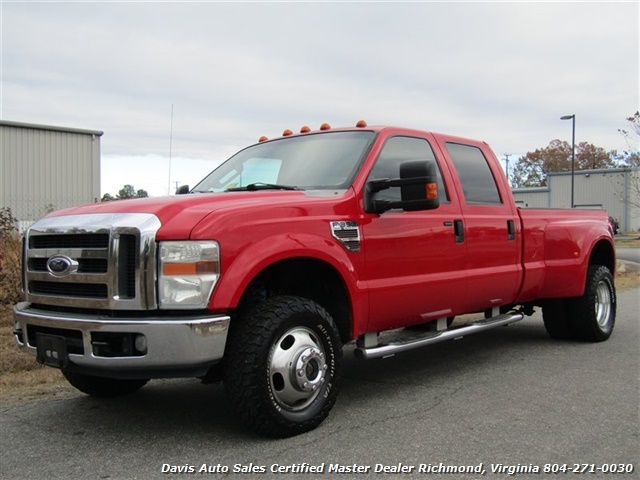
(593,315)
(102,386)
(282,366)
(555,315)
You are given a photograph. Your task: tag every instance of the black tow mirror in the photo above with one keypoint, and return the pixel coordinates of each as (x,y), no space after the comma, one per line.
(418,184)
(182,189)
(421,192)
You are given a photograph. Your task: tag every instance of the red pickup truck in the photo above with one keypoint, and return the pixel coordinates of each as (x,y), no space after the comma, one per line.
(291,249)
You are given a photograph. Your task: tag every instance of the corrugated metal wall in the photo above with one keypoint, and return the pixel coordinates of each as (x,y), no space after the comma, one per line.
(613,190)
(532,197)
(44,168)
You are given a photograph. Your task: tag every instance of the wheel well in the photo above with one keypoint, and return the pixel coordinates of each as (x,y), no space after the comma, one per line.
(304,277)
(603,254)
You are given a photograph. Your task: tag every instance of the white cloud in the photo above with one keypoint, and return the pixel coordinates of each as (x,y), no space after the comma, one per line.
(503,72)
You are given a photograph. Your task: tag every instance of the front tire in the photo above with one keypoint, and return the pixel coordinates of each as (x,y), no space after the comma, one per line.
(282,366)
(102,386)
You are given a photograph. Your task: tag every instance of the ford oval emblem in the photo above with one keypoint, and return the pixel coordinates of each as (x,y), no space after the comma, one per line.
(61,265)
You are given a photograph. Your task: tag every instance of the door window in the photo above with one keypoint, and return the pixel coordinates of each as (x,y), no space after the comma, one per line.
(478,184)
(397,150)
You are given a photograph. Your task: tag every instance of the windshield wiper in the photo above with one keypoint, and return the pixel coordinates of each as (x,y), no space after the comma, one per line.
(262,186)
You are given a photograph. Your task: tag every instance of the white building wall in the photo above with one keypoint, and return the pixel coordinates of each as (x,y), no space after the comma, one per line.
(615,190)
(532,197)
(43,168)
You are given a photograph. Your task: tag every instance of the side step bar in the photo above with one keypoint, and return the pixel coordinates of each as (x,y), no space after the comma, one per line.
(391,348)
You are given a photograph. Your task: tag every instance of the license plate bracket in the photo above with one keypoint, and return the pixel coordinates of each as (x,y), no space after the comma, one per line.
(51,350)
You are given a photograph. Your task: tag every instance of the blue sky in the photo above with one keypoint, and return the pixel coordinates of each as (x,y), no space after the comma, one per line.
(503,72)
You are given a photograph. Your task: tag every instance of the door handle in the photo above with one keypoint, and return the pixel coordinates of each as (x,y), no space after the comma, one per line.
(458,229)
(511,229)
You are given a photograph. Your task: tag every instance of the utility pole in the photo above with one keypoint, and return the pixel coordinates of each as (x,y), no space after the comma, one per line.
(170,148)
(506,161)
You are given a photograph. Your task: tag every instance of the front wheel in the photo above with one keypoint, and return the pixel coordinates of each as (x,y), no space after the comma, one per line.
(593,315)
(282,366)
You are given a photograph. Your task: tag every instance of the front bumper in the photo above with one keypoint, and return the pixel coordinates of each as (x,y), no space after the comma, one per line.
(172,345)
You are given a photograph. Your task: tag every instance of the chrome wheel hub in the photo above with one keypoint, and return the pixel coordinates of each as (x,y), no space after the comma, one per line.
(297,368)
(603,305)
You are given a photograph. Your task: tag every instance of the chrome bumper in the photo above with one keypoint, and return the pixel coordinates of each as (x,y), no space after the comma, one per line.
(171,344)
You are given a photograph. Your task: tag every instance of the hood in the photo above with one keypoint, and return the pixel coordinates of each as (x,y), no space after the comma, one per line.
(180,214)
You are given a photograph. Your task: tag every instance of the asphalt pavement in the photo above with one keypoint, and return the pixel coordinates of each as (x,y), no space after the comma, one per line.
(629,254)
(510,403)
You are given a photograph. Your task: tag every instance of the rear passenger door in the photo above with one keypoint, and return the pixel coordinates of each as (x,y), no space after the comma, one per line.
(491,226)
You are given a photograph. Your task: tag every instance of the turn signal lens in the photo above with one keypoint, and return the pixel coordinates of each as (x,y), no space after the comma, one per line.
(432,191)
(195,268)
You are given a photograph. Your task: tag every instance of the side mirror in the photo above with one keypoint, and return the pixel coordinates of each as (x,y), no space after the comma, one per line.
(421,192)
(418,184)
(182,189)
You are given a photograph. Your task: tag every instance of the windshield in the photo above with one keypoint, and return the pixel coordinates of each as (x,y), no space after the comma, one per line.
(311,162)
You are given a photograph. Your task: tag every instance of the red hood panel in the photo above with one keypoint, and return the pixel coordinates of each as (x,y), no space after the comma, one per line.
(180,214)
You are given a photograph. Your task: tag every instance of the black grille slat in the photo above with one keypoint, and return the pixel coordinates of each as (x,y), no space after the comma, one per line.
(85,240)
(66,289)
(127,266)
(92,265)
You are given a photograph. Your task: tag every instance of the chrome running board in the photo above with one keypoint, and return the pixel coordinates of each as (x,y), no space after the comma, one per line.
(429,338)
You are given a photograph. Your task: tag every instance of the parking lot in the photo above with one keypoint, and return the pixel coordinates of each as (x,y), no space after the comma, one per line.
(507,398)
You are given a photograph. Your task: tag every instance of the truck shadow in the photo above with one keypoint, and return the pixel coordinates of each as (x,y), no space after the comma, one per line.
(176,410)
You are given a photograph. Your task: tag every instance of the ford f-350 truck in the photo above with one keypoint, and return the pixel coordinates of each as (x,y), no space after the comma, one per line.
(294,247)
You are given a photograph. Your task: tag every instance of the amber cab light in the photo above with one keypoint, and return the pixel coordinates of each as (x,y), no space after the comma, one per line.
(361,124)
(325,126)
(305,129)
(263,139)
(287,132)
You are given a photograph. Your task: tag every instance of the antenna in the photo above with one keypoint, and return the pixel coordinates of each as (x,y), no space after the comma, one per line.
(170,148)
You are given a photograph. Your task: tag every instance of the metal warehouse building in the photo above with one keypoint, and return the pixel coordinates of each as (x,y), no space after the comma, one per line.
(44,168)
(615,190)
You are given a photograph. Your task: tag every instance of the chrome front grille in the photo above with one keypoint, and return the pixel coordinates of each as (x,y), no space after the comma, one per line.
(104,261)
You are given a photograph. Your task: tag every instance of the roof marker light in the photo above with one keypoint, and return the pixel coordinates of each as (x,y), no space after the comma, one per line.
(263,139)
(305,129)
(287,132)
(361,124)
(325,126)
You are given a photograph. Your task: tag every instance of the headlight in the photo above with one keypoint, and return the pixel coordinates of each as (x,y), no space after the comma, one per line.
(188,272)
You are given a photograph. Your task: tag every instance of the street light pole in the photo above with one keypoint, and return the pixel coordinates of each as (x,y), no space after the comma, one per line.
(573,150)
